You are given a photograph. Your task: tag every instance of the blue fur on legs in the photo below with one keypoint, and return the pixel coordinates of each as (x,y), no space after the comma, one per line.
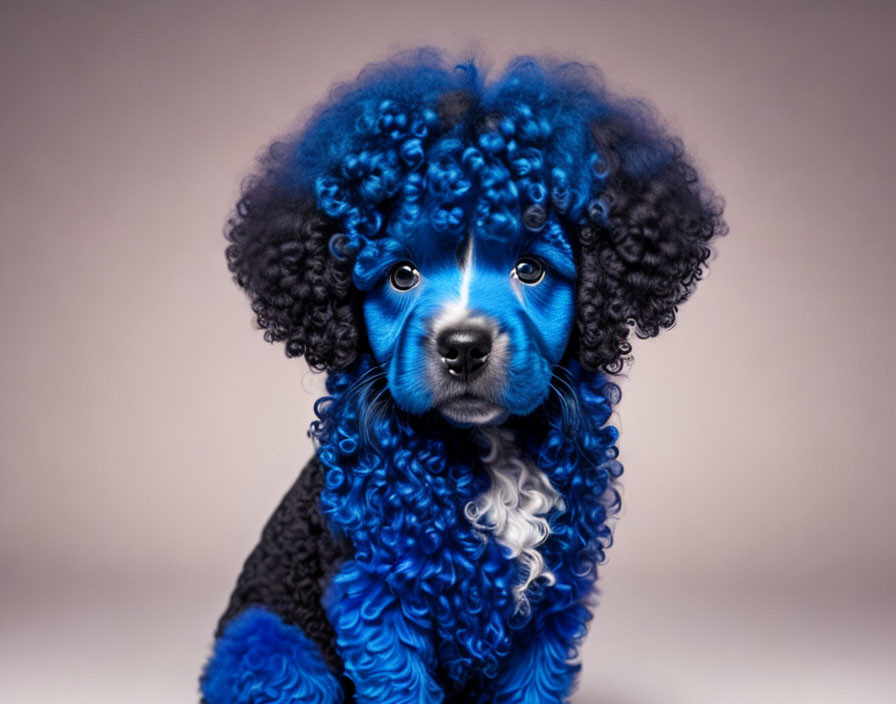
(258,658)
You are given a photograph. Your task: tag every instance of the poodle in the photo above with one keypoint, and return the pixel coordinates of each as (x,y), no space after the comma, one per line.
(465,259)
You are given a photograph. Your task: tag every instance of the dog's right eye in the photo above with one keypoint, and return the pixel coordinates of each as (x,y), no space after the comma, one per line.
(404,276)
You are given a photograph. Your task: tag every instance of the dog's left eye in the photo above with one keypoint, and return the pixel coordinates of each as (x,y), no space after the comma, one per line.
(404,276)
(529,270)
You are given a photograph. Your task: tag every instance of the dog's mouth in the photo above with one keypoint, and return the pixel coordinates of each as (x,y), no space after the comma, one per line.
(468,409)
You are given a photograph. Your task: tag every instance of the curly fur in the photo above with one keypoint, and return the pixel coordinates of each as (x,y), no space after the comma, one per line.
(416,560)
(292,564)
(513,508)
(400,497)
(301,295)
(413,142)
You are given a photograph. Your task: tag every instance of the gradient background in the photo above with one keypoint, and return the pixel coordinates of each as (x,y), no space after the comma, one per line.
(148,432)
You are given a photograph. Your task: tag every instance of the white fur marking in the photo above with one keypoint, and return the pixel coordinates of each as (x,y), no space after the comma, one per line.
(514,506)
(467,276)
(457,309)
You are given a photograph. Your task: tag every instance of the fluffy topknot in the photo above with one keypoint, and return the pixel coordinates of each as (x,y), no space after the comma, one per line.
(422,141)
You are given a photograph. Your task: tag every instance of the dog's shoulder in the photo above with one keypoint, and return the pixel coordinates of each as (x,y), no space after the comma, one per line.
(291,566)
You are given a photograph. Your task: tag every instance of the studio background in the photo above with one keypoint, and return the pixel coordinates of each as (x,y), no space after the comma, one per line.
(148,431)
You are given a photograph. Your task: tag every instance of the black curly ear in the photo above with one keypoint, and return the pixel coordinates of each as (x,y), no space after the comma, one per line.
(643,252)
(301,293)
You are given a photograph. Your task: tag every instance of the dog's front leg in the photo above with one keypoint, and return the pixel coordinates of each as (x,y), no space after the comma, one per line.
(387,652)
(540,671)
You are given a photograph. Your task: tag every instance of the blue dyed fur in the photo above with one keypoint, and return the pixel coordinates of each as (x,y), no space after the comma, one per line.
(542,163)
(425,594)
(260,659)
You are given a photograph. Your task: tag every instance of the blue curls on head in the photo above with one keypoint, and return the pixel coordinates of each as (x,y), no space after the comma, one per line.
(421,141)
(421,144)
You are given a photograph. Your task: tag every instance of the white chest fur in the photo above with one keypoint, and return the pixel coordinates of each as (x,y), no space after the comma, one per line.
(513,508)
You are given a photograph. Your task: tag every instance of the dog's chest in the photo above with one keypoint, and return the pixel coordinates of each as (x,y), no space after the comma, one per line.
(486,516)
(514,509)
(497,559)
(458,533)
(461,543)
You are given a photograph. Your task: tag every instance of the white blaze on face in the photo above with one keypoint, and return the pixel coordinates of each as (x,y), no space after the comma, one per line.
(458,311)
(466,275)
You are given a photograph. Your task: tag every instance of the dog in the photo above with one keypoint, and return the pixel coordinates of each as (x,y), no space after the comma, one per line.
(466,260)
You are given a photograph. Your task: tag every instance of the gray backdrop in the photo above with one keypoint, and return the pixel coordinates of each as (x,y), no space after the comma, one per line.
(148,431)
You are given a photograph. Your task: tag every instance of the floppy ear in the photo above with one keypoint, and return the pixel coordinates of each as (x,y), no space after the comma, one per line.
(280,254)
(646,241)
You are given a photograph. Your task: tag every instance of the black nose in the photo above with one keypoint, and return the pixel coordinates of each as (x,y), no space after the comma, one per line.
(464,351)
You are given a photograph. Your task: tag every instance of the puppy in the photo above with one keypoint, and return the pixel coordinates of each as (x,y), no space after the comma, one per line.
(466,260)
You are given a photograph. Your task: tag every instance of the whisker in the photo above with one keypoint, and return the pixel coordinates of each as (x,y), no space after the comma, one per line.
(566,410)
(572,415)
(372,409)
(362,380)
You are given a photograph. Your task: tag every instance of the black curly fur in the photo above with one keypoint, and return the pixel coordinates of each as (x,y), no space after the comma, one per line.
(290,567)
(644,259)
(636,265)
(300,293)
(641,248)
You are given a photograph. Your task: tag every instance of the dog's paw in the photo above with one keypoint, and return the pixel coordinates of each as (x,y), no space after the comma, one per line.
(258,658)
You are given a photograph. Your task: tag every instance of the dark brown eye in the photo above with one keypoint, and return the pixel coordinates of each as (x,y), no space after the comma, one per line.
(529,270)
(404,276)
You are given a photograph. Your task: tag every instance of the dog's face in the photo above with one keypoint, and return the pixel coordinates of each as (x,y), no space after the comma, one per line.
(472,330)
(472,236)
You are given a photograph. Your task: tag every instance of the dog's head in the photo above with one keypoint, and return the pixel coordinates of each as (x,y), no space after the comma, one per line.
(471,236)
(471,324)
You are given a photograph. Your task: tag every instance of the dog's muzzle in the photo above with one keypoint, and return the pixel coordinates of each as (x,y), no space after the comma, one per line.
(467,358)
